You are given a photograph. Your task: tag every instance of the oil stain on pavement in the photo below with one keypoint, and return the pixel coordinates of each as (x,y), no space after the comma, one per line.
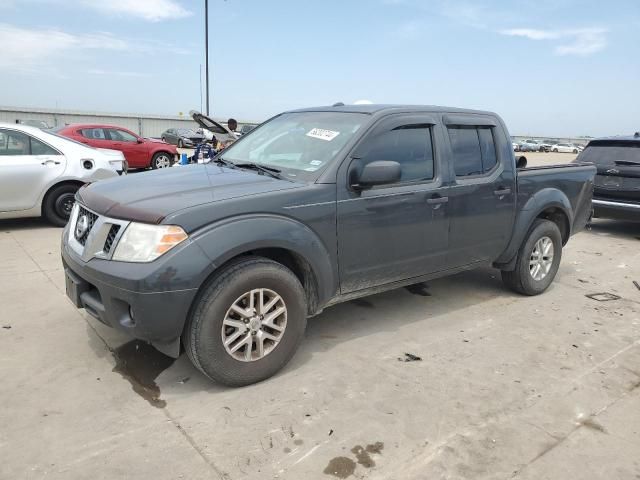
(343,467)
(140,364)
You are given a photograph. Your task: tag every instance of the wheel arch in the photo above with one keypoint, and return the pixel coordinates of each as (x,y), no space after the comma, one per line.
(280,239)
(48,191)
(550,204)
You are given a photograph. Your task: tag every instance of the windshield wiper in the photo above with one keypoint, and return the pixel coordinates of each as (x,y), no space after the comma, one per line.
(273,172)
(224,162)
(628,163)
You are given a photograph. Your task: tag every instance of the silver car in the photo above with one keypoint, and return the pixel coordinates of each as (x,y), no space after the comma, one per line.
(40,172)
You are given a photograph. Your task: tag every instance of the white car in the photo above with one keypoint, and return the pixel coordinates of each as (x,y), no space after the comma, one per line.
(40,172)
(564,148)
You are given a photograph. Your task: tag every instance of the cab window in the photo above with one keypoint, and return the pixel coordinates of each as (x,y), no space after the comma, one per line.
(409,145)
(474,151)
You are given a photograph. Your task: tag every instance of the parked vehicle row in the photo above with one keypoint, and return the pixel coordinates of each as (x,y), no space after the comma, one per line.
(530,145)
(40,172)
(315,207)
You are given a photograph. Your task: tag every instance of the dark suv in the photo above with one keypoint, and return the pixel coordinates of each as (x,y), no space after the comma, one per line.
(617,183)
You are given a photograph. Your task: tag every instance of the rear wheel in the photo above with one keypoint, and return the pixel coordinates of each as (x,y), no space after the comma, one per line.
(58,204)
(247,323)
(555,150)
(161,160)
(575,150)
(180,144)
(538,259)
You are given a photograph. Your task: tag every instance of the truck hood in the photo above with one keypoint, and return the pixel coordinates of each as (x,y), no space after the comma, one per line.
(151,196)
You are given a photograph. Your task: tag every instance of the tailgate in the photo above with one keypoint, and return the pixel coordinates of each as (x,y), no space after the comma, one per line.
(620,181)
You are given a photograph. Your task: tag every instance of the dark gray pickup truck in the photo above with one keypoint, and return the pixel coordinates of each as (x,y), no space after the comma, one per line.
(312,208)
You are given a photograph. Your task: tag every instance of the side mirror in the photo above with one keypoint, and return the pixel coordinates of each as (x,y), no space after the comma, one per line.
(140,140)
(380,172)
(521,162)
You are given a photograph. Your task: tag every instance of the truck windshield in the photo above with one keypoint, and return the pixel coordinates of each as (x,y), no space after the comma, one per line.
(297,144)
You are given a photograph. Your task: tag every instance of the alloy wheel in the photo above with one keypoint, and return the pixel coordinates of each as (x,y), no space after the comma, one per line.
(254,325)
(541,258)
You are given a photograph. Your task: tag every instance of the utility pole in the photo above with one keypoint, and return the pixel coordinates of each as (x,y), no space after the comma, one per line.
(206,51)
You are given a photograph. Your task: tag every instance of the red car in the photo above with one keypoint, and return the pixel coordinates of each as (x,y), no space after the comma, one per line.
(139,152)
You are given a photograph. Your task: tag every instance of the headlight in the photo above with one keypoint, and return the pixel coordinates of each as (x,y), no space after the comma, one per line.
(142,242)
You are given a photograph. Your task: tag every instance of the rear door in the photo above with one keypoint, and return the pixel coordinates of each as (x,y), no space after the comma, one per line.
(135,152)
(399,231)
(482,197)
(27,167)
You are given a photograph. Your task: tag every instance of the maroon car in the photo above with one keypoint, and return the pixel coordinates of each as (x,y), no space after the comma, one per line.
(140,152)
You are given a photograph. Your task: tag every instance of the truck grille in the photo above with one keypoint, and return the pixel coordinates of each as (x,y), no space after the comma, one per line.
(108,243)
(82,231)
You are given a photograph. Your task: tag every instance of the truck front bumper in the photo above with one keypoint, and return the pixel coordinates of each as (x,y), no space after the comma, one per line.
(150,301)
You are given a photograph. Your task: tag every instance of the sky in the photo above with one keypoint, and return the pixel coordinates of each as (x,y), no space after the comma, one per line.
(548,67)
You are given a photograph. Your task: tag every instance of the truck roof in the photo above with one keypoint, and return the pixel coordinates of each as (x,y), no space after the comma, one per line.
(390,108)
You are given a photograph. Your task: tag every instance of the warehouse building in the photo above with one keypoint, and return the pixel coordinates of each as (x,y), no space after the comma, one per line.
(143,125)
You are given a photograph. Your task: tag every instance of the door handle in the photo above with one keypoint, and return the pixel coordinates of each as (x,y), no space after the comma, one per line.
(49,162)
(437,200)
(502,191)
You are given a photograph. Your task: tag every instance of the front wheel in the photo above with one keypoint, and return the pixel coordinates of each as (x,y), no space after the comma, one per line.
(161,160)
(538,259)
(58,203)
(180,144)
(575,150)
(555,150)
(247,323)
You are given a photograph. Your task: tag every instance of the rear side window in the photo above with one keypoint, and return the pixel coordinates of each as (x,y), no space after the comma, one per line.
(474,150)
(39,148)
(409,145)
(93,133)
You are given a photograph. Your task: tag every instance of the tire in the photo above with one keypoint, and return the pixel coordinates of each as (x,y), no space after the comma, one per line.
(180,144)
(575,151)
(204,330)
(522,280)
(555,150)
(57,204)
(161,160)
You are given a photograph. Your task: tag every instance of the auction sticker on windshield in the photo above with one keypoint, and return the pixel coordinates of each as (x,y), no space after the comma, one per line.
(322,134)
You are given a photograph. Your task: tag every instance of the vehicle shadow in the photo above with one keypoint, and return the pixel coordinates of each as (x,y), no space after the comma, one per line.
(24,224)
(429,303)
(629,230)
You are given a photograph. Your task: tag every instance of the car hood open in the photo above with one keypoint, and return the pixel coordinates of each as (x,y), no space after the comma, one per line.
(151,196)
(208,123)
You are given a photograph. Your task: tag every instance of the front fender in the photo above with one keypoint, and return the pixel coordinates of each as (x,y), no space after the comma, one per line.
(229,238)
(535,205)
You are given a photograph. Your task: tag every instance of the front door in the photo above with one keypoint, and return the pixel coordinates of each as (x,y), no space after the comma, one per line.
(482,198)
(27,167)
(135,152)
(393,232)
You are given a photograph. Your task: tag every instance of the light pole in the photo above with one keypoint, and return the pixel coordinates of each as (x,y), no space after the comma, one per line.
(206,52)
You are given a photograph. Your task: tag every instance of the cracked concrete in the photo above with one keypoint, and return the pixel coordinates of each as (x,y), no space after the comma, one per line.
(508,387)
